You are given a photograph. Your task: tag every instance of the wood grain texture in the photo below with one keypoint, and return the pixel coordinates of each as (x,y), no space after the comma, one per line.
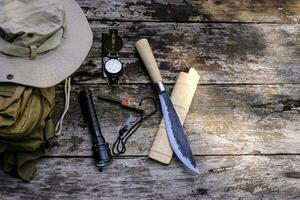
(283,11)
(258,119)
(221,53)
(245,177)
(243,124)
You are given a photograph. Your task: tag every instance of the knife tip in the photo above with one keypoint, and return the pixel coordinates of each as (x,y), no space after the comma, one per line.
(197,171)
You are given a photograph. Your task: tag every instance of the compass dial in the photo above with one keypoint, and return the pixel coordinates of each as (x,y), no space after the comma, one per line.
(113,66)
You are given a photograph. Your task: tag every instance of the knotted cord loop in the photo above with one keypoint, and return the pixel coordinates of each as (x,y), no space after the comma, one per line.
(119,147)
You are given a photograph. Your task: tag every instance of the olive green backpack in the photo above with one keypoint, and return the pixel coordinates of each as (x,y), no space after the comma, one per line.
(26,127)
(40,46)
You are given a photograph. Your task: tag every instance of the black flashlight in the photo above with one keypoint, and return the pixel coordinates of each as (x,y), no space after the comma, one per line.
(101,151)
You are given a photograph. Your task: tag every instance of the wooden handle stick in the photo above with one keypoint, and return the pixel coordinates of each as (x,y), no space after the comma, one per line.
(147,56)
(181,98)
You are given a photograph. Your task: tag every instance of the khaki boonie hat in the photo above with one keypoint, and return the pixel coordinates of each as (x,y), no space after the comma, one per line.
(42,42)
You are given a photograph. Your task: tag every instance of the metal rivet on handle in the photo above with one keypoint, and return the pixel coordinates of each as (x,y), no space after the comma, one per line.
(30,35)
(10,76)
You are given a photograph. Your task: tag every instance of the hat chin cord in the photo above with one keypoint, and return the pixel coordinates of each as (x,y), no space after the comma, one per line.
(67,91)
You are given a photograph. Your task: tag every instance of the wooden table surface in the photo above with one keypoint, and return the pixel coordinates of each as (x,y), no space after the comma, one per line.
(243,124)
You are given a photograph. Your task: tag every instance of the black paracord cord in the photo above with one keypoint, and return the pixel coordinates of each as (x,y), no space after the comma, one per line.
(119,147)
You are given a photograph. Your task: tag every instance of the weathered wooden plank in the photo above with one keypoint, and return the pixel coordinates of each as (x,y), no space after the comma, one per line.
(222,53)
(254,119)
(245,177)
(286,11)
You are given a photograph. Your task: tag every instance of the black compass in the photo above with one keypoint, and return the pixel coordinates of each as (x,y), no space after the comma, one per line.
(112,67)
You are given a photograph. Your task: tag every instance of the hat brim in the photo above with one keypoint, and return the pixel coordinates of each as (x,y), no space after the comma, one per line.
(53,67)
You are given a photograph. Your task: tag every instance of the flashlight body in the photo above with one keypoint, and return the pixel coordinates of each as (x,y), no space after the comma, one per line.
(100,147)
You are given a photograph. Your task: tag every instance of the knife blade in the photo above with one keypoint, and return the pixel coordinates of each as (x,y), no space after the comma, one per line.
(176,135)
(174,129)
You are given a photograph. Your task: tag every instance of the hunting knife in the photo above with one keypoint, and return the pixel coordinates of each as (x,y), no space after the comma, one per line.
(174,129)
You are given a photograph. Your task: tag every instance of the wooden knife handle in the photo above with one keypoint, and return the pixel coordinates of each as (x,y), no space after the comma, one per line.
(146,54)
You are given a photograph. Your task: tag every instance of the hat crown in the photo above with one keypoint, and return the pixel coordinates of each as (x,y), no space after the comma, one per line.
(30,22)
